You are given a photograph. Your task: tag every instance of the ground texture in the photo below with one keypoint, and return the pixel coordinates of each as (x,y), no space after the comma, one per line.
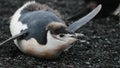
(98,48)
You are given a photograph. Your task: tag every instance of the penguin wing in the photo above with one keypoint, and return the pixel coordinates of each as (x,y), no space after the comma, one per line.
(14,37)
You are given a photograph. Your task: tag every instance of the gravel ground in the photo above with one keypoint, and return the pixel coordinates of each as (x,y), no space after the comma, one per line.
(98,48)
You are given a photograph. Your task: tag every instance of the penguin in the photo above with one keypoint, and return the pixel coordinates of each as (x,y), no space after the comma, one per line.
(39,31)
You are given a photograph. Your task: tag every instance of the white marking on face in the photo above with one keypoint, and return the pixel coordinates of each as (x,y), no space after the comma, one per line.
(57,42)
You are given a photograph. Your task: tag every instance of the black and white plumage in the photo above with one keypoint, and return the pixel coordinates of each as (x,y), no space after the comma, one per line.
(39,31)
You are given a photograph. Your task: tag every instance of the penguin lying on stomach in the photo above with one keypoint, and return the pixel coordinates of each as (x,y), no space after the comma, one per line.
(39,31)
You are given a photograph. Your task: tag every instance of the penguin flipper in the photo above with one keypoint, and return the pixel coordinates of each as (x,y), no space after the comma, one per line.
(15,37)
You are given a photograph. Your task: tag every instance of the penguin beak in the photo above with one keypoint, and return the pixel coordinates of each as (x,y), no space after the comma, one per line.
(77,24)
(75,35)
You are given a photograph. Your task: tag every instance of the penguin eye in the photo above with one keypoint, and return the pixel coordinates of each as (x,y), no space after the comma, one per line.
(61,35)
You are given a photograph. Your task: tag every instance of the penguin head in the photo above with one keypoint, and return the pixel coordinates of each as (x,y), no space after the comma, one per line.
(58,33)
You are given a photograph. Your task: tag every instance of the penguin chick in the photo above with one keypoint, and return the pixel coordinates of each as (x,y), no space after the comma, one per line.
(47,34)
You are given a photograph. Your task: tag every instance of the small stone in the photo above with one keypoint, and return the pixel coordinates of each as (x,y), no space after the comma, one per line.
(87,62)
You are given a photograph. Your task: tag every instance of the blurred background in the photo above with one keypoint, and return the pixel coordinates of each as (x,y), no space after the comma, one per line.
(98,48)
